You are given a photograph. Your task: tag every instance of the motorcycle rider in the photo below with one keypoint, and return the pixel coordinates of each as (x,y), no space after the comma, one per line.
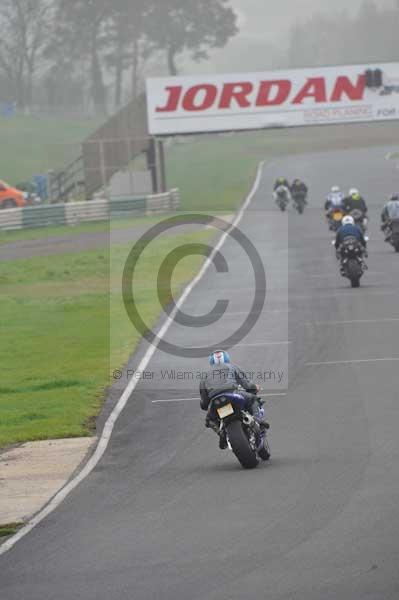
(281,188)
(355,201)
(389,213)
(225,377)
(349,229)
(299,187)
(335,199)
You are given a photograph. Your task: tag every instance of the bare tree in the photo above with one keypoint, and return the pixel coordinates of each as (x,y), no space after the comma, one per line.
(176,26)
(80,33)
(24,26)
(126,36)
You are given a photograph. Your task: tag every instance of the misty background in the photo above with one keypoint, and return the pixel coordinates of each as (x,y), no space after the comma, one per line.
(90,57)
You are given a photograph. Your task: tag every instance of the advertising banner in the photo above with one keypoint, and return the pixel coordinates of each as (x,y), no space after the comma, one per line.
(288,98)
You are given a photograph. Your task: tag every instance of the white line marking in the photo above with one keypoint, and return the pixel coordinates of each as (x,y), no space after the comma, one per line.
(354,322)
(112,419)
(353,362)
(192,399)
(174,400)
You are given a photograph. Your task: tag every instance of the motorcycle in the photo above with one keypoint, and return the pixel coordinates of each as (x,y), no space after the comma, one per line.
(299,200)
(392,234)
(282,198)
(246,437)
(334,218)
(352,263)
(360,219)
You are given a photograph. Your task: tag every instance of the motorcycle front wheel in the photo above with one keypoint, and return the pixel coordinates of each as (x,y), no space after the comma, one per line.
(264,452)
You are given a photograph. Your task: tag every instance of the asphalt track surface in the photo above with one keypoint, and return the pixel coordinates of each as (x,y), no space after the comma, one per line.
(166,515)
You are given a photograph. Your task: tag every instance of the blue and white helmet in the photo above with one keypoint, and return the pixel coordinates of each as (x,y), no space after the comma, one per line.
(219,357)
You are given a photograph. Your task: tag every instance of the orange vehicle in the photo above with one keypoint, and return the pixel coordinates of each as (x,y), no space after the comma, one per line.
(11,197)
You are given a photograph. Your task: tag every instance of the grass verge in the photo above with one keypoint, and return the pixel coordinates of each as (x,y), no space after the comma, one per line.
(57,352)
(9,529)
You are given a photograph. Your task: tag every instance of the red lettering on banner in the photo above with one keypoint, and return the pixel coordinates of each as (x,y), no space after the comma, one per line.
(272,93)
(266,93)
(238,92)
(315,87)
(173,99)
(344,85)
(192,100)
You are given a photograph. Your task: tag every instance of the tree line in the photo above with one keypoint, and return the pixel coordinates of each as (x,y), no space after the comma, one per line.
(96,53)
(58,52)
(369,36)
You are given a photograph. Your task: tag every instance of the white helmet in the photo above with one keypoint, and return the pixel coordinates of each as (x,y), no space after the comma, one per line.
(353,191)
(335,189)
(348,220)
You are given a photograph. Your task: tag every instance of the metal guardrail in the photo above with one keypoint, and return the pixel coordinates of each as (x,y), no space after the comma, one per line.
(94,210)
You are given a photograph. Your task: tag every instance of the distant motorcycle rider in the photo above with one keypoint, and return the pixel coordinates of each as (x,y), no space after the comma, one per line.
(390,212)
(349,229)
(355,201)
(224,377)
(282,193)
(298,187)
(335,199)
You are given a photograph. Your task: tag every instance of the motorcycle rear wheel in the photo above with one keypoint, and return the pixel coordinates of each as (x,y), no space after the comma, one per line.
(240,445)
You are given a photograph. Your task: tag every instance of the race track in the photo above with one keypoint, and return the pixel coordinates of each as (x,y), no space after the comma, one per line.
(167,516)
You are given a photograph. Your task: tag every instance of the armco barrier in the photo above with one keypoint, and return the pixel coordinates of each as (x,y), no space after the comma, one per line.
(11,218)
(162,203)
(40,216)
(122,207)
(94,210)
(77,212)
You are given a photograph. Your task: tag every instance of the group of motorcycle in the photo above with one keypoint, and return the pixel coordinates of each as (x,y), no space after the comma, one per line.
(347,216)
(284,193)
(343,215)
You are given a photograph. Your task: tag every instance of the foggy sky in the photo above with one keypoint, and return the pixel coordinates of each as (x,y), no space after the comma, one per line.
(274,18)
(264,31)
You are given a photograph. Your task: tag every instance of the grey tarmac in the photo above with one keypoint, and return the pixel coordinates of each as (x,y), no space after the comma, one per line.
(166,515)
